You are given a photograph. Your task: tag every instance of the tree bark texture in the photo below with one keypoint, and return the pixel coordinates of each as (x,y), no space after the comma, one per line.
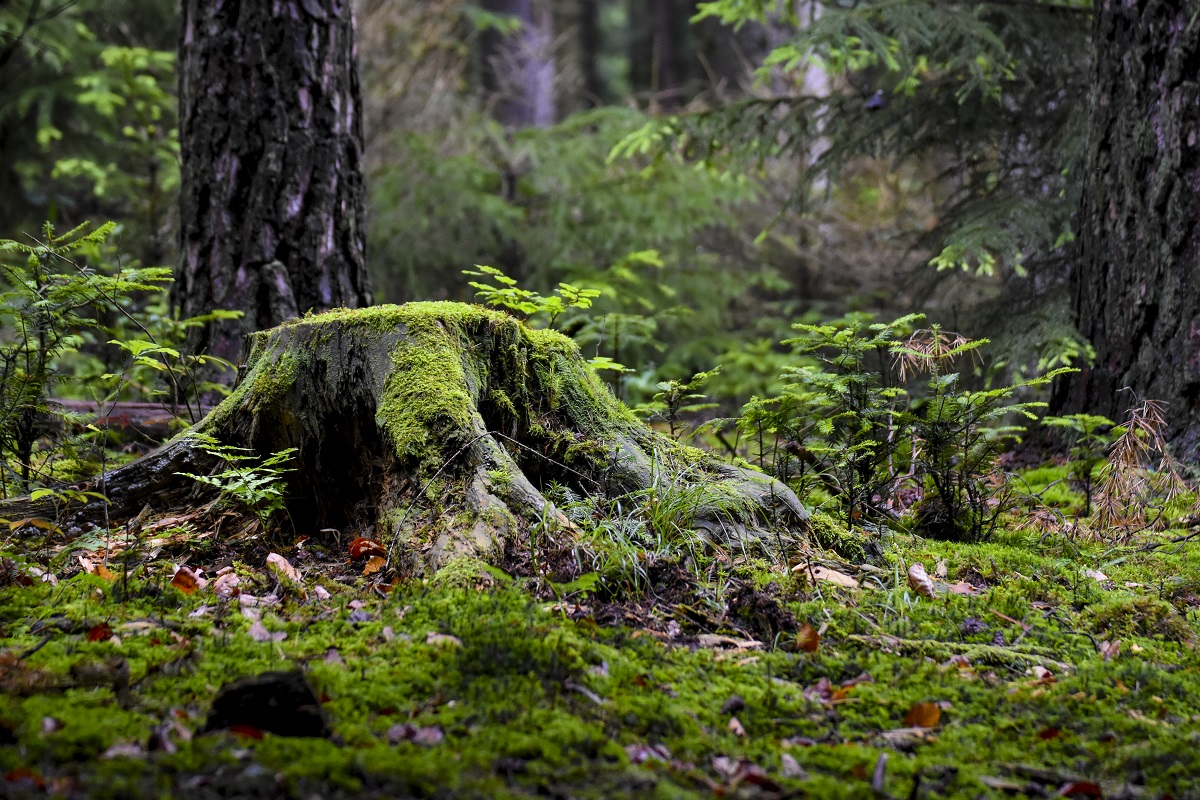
(437,429)
(1137,284)
(272,198)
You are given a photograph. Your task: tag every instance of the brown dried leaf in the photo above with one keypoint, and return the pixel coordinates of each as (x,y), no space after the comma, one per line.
(808,639)
(259,633)
(283,570)
(736,728)
(923,715)
(373,565)
(1110,650)
(828,576)
(362,547)
(919,581)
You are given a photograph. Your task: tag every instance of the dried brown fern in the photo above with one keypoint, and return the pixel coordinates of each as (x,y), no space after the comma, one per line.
(1140,477)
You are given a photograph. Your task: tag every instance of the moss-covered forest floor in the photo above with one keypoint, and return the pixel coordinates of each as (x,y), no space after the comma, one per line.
(1041,667)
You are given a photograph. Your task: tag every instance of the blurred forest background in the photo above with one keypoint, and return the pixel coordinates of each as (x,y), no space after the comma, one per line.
(720,171)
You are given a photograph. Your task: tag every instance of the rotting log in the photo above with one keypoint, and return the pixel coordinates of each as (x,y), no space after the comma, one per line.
(436,428)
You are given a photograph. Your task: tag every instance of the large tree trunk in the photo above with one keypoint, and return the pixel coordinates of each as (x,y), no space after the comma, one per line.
(435,428)
(271,143)
(1137,285)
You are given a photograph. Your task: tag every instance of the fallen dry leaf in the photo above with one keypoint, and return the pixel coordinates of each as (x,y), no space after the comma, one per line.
(259,633)
(1042,676)
(361,547)
(100,633)
(187,581)
(442,640)
(282,569)
(1110,649)
(919,581)
(716,640)
(827,575)
(962,588)
(1095,575)
(1080,789)
(923,715)
(226,585)
(790,767)
(808,639)
(735,727)
(373,565)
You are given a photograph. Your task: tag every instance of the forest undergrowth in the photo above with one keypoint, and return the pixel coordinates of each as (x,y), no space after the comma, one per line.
(1030,665)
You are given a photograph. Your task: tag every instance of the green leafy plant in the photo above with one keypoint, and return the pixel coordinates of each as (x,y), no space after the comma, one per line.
(853,405)
(678,397)
(53,297)
(959,433)
(256,484)
(507,294)
(1090,437)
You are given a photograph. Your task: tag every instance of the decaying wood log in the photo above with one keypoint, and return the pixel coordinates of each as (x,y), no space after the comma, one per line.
(437,428)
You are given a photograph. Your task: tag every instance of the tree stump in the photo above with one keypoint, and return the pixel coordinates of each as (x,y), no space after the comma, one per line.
(436,429)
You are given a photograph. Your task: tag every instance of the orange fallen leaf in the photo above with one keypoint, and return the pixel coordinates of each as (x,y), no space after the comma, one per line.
(361,547)
(923,715)
(808,639)
(187,581)
(104,573)
(373,565)
(919,581)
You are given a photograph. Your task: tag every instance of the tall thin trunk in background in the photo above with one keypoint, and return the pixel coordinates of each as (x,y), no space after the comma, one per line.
(659,56)
(272,198)
(519,72)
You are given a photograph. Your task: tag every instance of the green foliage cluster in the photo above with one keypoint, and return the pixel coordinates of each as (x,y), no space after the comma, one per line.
(61,299)
(548,207)
(255,483)
(995,94)
(88,117)
(880,413)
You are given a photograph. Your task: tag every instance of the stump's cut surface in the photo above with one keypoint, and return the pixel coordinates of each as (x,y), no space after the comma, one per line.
(435,428)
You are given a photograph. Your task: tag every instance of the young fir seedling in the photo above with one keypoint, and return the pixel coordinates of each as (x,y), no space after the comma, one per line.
(511,296)
(1090,436)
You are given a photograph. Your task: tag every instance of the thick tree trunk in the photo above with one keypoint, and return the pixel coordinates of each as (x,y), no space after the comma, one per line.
(1137,285)
(271,143)
(435,428)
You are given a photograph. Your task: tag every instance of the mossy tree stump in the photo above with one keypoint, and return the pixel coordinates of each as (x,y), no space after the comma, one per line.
(435,428)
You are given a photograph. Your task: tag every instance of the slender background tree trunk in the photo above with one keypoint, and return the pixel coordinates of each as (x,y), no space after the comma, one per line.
(1137,283)
(519,72)
(271,141)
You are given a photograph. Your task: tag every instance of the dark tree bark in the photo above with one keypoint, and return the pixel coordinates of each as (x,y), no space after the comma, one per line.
(271,140)
(435,428)
(1137,282)
(519,69)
